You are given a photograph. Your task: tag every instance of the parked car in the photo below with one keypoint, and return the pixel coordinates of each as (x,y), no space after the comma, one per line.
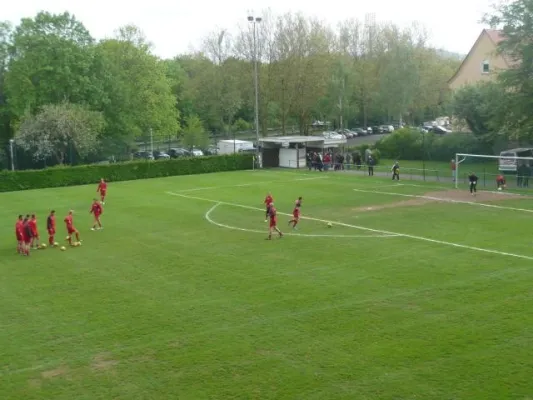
(211,151)
(387,128)
(360,132)
(377,130)
(143,155)
(197,153)
(178,152)
(440,130)
(161,155)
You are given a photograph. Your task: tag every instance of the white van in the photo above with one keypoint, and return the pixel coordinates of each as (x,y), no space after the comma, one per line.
(511,164)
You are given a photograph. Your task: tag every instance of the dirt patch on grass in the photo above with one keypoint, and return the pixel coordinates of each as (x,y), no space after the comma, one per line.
(103,362)
(443,196)
(54,373)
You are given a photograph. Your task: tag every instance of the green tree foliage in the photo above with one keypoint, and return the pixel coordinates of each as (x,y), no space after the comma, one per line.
(481,107)
(5,115)
(59,128)
(194,134)
(516,20)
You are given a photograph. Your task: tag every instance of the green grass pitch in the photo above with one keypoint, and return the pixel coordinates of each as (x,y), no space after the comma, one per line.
(181,297)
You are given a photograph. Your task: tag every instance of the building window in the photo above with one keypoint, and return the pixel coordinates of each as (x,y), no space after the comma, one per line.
(485,67)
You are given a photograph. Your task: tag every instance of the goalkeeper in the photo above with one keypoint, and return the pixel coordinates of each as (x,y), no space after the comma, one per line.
(472,179)
(500,182)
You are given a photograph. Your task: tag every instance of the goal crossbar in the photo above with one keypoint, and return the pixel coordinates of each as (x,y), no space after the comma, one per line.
(458,161)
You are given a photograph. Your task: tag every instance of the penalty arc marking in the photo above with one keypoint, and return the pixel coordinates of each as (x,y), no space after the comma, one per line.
(235,228)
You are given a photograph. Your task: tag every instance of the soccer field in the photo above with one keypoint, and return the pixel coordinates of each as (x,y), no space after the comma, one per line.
(417,291)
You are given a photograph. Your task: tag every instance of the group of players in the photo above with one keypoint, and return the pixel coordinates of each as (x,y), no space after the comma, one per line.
(27,232)
(272,215)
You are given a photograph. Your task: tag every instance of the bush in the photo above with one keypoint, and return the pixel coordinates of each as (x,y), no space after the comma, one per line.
(411,144)
(86,174)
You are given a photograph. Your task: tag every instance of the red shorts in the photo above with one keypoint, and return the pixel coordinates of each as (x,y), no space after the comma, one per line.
(20,238)
(27,239)
(273,222)
(97,215)
(51,232)
(71,230)
(35,234)
(102,193)
(296,213)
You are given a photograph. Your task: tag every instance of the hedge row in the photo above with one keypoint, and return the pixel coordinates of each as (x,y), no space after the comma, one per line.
(87,174)
(411,144)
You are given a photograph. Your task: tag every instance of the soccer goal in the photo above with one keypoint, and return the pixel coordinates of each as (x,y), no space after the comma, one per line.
(516,171)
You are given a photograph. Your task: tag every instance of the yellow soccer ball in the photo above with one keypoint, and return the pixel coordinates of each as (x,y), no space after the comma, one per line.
(43,246)
(330,224)
(56,244)
(63,248)
(67,238)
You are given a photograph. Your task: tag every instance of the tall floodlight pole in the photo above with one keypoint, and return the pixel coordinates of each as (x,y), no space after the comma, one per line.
(254,21)
(11,142)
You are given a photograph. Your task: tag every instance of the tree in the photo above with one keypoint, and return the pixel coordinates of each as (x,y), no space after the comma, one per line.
(516,21)
(5,115)
(194,134)
(481,107)
(139,91)
(59,128)
(51,62)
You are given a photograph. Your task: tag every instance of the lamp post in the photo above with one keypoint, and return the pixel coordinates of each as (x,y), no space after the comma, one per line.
(254,21)
(11,142)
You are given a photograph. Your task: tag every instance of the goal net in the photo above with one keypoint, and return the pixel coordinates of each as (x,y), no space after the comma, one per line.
(509,170)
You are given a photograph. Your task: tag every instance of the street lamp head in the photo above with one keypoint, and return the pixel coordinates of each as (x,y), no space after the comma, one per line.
(258,19)
(11,141)
(251,19)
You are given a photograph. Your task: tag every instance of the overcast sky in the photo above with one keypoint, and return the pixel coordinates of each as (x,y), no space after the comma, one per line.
(175,27)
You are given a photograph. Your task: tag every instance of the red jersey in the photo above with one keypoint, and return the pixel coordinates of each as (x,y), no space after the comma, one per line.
(19,228)
(500,178)
(33,225)
(102,187)
(51,222)
(268,200)
(96,209)
(272,213)
(69,221)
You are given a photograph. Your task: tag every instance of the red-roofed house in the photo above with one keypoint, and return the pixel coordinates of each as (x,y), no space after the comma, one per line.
(482,62)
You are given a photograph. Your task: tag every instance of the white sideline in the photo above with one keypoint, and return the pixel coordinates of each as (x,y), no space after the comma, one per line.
(197,189)
(414,237)
(471,203)
(235,228)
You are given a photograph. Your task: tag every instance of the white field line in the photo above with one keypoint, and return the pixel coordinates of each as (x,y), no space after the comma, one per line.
(471,203)
(197,189)
(210,220)
(378,231)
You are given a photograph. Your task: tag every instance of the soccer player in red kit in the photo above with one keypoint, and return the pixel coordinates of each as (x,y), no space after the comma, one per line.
(296,213)
(34,231)
(273,222)
(268,202)
(51,227)
(19,233)
(27,235)
(102,189)
(96,210)
(69,220)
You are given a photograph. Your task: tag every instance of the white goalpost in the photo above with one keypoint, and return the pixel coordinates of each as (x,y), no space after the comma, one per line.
(504,164)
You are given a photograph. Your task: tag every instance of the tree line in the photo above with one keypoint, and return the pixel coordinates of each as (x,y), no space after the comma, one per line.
(61,90)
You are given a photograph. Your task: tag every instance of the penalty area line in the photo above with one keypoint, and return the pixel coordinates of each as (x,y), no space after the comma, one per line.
(235,228)
(198,189)
(363,228)
(443,200)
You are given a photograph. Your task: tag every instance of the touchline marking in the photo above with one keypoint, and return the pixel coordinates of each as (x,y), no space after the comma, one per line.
(210,220)
(197,189)
(363,228)
(471,203)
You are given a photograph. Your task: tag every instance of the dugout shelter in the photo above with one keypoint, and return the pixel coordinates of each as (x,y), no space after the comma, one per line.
(291,151)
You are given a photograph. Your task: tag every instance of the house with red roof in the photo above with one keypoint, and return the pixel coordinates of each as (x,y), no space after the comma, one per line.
(482,63)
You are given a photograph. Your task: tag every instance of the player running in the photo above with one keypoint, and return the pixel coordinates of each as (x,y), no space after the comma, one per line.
(472,178)
(19,233)
(102,189)
(96,210)
(273,222)
(269,200)
(69,221)
(34,232)
(296,213)
(51,227)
